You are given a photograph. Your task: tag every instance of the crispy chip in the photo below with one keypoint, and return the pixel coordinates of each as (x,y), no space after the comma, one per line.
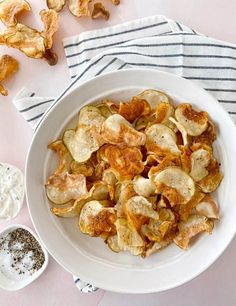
(134,109)
(62,189)
(56,5)
(200,159)
(25,39)
(161,140)
(50,21)
(9,9)
(208,207)
(95,220)
(194,122)
(64,156)
(79,7)
(192,227)
(128,240)
(117,130)
(8,66)
(175,184)
(154,97)
(127,162)
(99,11)
(143,186)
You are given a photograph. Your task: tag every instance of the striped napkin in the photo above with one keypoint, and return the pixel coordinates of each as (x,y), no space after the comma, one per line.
(154,42)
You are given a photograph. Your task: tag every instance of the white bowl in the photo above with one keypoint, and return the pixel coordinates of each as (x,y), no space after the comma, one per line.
(13,285)
(90,258)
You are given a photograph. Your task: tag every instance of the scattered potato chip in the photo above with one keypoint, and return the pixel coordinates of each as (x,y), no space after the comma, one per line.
(143,186)
(200,159)
(175,184)
(9,9)
(161,140)
(208,207)
(8,66)
(153,97)
(99,11)
(56,5)
(182,130)
(50,21)
(128,240)
(79,7)
(116,130)
(194,122)
(96,220)
(127,162)
(193,226)
(134,109)
(62,189)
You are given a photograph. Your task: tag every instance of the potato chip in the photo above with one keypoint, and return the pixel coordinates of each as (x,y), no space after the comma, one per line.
(56,5)
(112,242)
(163,112)
(208,207)
(161,140)
(86,139)
(9,9)
(175,184)
(200,159)
(189,229)
(99,11)
(8,66)
(117,130)
(128,240)
(143,186)
(62,189)
(153,97)
(134,109)
(64,156)
(126,162)
(194,122)
(210,182)
(182,130)
(50,21)
(79,7)
(95,220)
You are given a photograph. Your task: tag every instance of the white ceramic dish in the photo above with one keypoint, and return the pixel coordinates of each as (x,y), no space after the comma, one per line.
(89,257)
(11,284)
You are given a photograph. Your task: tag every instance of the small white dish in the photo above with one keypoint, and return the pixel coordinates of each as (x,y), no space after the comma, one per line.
(90,258)
(11,284)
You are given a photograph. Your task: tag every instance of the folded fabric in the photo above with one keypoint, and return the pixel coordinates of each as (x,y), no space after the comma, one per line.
(154,42)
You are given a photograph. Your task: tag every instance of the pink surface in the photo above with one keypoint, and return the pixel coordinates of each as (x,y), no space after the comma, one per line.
(216,286)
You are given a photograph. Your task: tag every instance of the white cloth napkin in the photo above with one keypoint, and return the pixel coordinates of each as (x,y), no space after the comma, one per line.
(154,42)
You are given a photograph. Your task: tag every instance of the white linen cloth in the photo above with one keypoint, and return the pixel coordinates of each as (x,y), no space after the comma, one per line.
(154,42)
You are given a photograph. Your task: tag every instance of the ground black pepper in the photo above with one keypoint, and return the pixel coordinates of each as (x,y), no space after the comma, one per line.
(21,244)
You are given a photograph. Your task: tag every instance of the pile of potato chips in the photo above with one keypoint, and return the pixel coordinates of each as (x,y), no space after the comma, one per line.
(138,174)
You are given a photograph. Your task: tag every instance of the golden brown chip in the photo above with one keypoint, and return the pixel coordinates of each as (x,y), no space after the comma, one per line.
(99,11)
(25,39)
(9,9)
(126,161)
(192,227)
(56,5)
(79,7)
(8,66)
(64,156)
(193,121)
(134,109)
(50,21)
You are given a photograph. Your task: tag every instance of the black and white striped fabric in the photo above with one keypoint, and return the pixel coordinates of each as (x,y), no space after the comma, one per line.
(153,42)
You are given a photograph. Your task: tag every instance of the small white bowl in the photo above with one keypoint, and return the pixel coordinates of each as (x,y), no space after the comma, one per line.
(13,285)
